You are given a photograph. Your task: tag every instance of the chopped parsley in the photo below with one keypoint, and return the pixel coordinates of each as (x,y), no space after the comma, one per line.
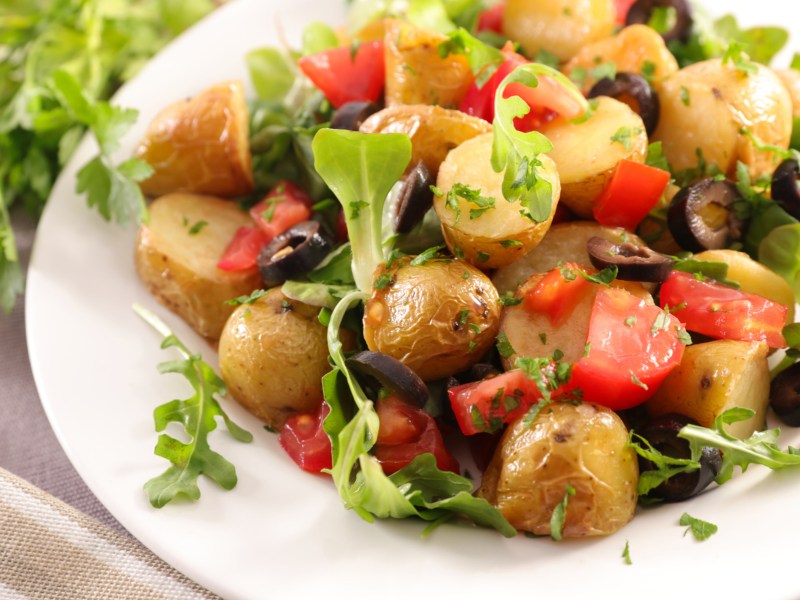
(684,95)
(560,515)
(504,347)
(624,136)
(701,530)
(197,227)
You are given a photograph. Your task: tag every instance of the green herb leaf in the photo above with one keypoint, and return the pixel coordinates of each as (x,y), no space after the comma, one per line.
(483,59)
(701,530)
(559,515)
(504,347)
(626,554)
(253,297)
(318,37)
(665,466)
(271,72)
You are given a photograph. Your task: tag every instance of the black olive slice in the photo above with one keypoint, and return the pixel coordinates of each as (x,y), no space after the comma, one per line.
(784,395)
(701,216)
(634,263)
(292,253)
(633,90)
(415,198)
(642,10)
(662,433)
(389,373)
(352,114)
(784,187)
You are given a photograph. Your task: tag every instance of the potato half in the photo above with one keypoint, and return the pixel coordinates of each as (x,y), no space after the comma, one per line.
(561,27)
(704,106)
(581,445)
(714,377)
(200,145)
(177,253)
(587,153)
(433,130)
(791,79)
(497,236)
(272,356)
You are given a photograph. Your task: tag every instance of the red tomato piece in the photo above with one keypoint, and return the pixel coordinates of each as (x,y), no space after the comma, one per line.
(623,6)
(305,441)
(723,312)
(406,432)
(632,193)
(479,101)
(556,295)
(491,19)
(484,406)
(283,207)
(633,346)
(345,76)
(242,251)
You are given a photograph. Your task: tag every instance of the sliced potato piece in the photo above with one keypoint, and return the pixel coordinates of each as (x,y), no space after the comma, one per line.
(561,27)
(630,50)
(200,145)
(500,234)
(433,130)
(563,243)
(753,277)
(581,445)
(714,377)
(415,71)
(586,153)
(180,267)
(272,356)
(704,106)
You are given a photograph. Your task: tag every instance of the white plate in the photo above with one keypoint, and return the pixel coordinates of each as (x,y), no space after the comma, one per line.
(281,532)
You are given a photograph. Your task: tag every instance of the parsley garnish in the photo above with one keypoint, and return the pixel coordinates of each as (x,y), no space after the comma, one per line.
(504,347)
(701,530)
(197,227)
(684,95)
(624,136)
(559,515)
(736,54)
(626,554)
(425,256)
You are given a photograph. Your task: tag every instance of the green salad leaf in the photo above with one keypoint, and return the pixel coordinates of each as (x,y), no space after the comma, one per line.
(198,414)
(701,530)
(483,59)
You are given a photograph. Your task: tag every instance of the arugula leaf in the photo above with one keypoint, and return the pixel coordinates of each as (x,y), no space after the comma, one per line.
(198,415)
(760,448)
(665,466)
(701,530)
(516,152)
(361,169)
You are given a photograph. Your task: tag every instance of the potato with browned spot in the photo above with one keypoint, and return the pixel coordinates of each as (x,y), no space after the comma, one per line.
(569,445)
(200,145)
(272,356)
(438,318)
(176,257)
(433,130)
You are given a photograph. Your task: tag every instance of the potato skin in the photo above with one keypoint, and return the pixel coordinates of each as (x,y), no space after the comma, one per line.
(561,27)
(791,79)
(200,145)
(580,444)
(433,130)
(272,356)
(420,317)
(180,268)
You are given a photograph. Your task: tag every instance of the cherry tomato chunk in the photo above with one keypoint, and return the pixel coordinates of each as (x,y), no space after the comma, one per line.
(491,19)
(283,207)
(633,191)
(345,76)
(305,441)
(557,295)
(243,250)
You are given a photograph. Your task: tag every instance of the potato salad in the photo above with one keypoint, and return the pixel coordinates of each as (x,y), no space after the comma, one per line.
(529,264)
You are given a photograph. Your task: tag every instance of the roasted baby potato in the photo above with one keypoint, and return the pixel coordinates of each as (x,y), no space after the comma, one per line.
(200,145)
(628,50)
(272,356)
(177,253)
(563,243)
(714,377)
(705,106)
(561,27)
(497,236)
(415,71)
(586,153)
(438,318)
(753,277)
(433,130)
(791,79)
(581,445)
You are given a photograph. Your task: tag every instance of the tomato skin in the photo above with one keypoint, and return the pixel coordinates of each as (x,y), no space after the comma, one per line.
(283,207)
(632,192)
(491,19)
(305,441)
(345,78)
(723,312)
(406,432)
(622,6)
(485,405)
(243,250)
(557,296)
(626,347)
(479,102)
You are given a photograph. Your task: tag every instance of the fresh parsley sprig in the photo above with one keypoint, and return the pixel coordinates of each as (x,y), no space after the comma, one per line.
(198,414)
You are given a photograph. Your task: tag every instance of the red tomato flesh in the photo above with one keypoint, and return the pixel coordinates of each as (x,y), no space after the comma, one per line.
(242,251)
(305,441)
(347,77)
(557,296)
(283,207)
(630,195)
(623,6)
(722,312)
(633,346)
(491,19)
(406,432)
